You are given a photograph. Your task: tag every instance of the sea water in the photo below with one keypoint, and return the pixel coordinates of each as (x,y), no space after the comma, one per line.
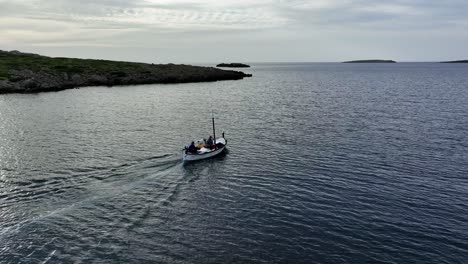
(326,163)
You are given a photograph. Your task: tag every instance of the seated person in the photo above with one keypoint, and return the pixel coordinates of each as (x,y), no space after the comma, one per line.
(192,149)
(209,143)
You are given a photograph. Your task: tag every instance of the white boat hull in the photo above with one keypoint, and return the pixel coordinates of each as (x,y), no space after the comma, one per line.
(206,155)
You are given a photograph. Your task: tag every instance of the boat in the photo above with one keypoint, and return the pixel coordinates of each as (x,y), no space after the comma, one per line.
(202,152)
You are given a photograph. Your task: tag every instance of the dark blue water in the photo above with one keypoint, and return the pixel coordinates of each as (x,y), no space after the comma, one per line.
(327,163)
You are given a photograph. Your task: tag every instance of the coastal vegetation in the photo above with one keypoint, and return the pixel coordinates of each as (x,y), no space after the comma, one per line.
(29,73)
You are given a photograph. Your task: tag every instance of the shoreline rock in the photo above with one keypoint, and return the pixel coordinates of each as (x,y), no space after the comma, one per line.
(32,73)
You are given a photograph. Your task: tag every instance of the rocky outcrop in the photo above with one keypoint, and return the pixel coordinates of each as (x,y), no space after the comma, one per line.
(233,65)
(34,73)
(370,61)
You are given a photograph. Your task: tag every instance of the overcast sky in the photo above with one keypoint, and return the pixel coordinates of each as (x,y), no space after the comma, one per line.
(189,31)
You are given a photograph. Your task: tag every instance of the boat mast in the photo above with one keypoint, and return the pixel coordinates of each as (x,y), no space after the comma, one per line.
(214,133)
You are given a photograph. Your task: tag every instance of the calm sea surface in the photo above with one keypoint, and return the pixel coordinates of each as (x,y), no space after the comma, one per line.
(327,163)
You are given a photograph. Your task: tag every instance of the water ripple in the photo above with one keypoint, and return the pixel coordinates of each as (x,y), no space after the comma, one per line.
(327,163)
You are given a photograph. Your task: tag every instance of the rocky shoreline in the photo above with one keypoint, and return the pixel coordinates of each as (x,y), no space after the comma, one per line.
(31,73)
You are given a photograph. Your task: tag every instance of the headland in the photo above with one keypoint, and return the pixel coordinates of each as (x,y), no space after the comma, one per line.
(32,73)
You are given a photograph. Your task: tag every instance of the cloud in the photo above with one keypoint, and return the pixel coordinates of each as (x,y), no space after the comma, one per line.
(159,23)
(236,15)
(59,20)
(159,14)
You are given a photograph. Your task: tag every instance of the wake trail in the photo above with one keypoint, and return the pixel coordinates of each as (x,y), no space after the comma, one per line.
(169,166)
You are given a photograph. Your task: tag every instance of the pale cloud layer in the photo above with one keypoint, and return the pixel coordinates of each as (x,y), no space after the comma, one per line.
(239,30)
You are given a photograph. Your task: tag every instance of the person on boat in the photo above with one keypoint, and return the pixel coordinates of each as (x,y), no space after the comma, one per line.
(209,143)
(202,144)
(192,149)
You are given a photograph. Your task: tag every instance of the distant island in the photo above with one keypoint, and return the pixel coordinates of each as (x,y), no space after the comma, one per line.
(457,61)
(233,65)
(31,73)
(370,61)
